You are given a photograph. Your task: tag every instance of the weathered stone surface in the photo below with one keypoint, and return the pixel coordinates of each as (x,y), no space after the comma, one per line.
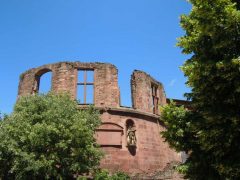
(141,84)
(168,173)
(151,154)
(64,79)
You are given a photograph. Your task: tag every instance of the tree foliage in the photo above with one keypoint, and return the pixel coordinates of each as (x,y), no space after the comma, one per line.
(48,137)
(211,131)
(104,175)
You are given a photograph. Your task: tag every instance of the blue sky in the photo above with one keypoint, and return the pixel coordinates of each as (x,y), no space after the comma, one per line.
(132,34)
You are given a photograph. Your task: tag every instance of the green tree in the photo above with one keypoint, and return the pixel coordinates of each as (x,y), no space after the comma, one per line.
(48,137)
(104,175)
(210,133)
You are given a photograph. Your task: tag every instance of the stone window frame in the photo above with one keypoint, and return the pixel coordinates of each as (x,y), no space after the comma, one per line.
(85,84)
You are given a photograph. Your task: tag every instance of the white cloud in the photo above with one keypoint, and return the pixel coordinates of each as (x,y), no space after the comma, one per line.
(172,82)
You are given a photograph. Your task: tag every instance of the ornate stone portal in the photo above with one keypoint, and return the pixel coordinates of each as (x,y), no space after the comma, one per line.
(130,136)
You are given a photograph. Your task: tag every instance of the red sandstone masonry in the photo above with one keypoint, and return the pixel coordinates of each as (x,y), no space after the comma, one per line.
(152,153)
(141,91)
(64,79)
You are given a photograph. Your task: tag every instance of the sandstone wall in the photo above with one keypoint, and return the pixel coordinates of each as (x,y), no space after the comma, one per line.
(141,86)
(151,154)
(64,79)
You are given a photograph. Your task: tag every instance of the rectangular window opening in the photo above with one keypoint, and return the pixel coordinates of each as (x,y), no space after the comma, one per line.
(85,87)
(155,98)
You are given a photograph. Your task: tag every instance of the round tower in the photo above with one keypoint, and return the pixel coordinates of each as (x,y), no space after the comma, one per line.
(129,136)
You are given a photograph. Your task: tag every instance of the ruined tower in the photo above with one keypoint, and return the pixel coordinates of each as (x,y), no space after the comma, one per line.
(131,136)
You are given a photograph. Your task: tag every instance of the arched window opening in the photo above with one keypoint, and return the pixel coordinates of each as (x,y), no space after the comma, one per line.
(43,82)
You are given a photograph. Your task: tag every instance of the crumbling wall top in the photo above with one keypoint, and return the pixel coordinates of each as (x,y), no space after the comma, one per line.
(65,78)
(147,93)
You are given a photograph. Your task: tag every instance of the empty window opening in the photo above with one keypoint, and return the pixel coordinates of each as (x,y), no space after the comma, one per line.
(125,97)
(85,87)
(155,98)
(42,82)
(45,83)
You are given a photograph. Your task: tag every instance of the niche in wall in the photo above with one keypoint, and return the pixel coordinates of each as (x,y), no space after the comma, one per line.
(131,137)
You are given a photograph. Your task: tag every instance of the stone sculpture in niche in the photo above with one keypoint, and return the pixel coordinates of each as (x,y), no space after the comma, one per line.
(131,134)
(131,137)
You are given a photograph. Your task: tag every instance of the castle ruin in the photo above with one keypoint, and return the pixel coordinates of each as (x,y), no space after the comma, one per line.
(130,137)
